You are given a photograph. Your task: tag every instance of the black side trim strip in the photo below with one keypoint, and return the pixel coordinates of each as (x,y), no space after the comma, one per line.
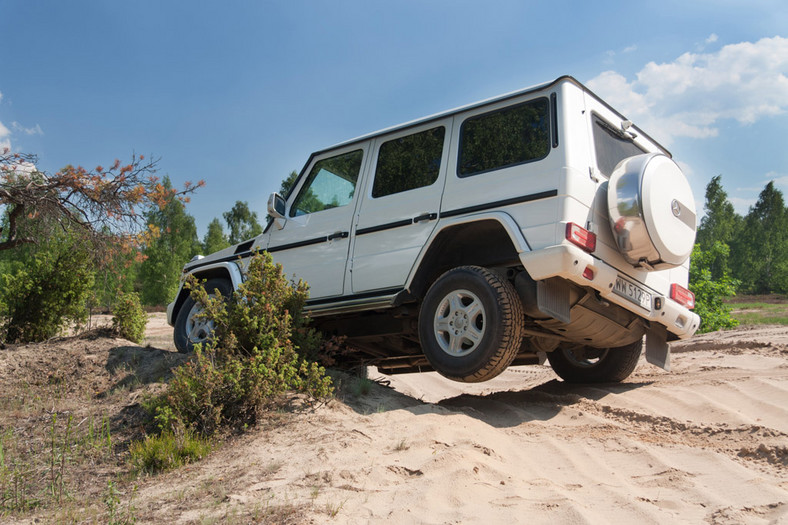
(554,117)
(505,202)
(367,295)
(299,244)
(381,227)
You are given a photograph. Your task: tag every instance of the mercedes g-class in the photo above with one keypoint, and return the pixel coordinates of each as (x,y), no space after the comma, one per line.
(537,225)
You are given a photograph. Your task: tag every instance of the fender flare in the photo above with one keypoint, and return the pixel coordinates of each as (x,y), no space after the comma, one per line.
(508,223)
(231,269)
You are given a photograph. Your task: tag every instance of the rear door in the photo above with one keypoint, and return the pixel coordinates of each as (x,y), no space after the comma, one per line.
(314,243)
(400,205)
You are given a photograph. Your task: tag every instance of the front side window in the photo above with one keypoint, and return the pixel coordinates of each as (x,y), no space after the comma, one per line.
(611,146)
(504,138)
(331,184)
(409,162)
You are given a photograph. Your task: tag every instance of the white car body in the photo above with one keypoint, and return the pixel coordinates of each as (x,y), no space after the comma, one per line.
(373,255)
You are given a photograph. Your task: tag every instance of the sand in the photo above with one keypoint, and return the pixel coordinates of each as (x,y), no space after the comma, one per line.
(706,443)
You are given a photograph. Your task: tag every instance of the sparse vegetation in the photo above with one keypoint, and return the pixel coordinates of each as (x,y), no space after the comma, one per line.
(167,450)
(129,319)
(253,358)
(757,310)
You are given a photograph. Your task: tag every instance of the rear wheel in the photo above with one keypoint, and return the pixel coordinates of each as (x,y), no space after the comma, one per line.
(471,324)
(585,364)
(190,329)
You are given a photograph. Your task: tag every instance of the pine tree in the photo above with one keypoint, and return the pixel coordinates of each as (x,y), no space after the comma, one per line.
(215,238)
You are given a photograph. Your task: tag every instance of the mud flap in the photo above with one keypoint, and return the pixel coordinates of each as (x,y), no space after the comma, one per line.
(657,347)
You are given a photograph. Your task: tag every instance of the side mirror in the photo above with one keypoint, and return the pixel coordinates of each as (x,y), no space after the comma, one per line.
(276,209)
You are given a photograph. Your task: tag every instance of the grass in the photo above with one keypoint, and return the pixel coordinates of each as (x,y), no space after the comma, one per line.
(756,310)
(167,451)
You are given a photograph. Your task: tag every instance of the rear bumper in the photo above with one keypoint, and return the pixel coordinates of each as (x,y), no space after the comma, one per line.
(569,262)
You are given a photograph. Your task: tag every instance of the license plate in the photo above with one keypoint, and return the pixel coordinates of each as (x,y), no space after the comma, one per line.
(632,292)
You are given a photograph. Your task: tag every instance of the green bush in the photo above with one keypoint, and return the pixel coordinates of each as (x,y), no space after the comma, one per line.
(709,292)
(253,358)
(40,300)
(129,319)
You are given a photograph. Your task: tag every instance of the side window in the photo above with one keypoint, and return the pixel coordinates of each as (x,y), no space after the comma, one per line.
(409,162)
(504,138)
(611,146)
(330,184)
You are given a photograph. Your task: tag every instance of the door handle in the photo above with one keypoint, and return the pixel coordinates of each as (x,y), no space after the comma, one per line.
(338,235)
(425,217)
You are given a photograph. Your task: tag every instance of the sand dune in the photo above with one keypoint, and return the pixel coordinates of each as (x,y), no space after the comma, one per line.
(707,443)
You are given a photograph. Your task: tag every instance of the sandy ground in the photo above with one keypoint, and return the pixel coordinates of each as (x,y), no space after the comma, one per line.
(706,443)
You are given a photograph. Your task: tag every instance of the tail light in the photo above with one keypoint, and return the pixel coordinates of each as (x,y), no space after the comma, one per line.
(580,237)
(682,296)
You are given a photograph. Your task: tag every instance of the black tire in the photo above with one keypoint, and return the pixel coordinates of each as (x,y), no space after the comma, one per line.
(471,324)
(584,364)
(186,333)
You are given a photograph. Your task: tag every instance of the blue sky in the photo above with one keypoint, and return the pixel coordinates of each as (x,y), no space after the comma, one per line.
(238,93)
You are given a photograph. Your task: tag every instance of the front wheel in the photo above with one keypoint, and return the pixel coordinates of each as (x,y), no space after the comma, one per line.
(190,329)
(584,364)
(471,324)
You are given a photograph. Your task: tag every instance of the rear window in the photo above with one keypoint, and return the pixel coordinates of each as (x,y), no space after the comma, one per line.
(504,138)
(611,146)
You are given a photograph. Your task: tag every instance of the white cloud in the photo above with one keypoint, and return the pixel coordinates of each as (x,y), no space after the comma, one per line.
(5,142)
(712,38)
(630,49)
(742,205)
(780,179)
(35,130)
(691,95)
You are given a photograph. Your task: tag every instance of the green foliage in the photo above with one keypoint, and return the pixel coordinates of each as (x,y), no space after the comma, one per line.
(214,239)
(253,358)
(242,222)
(720,223)
(39,300)
(760,251)
(172,243)
(287,184)
(710,291)
(167,451)
(129,319)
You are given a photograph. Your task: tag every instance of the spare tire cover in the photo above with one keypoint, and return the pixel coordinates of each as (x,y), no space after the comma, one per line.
(652,211)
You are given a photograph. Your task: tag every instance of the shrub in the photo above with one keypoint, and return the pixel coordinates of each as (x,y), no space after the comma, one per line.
(129,319)
(39,300)
(253,358)
(709,292)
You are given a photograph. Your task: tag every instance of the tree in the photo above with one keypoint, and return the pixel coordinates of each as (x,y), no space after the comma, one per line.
(288,183)
(721,222)
(242,223)
(214,239)
(104,203)
(172,242)
(760,250)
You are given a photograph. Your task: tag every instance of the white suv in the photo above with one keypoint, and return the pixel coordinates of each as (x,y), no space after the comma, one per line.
(536,225)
